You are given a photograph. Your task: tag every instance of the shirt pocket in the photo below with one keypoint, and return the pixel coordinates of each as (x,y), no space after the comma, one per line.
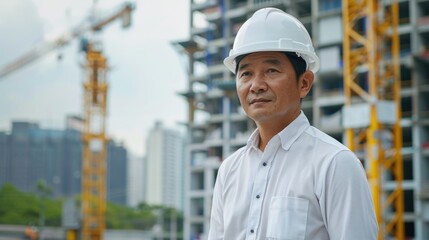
(287,218)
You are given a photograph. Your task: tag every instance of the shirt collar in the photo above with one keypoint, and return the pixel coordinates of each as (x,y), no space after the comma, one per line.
(290,133)
(287,136)
(253,140)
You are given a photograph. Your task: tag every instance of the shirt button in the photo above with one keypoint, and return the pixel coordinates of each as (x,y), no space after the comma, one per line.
(252,231)
(257,196)
(264,164)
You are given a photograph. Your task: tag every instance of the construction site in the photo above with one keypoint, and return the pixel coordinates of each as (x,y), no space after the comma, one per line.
(369,50)
(371,93)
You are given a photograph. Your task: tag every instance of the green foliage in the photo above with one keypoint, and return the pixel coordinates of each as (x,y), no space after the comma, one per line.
(20,208)
(53,210)
(122,217)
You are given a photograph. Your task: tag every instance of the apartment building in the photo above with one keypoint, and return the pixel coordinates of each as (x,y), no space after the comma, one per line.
(29,153)
(164,167)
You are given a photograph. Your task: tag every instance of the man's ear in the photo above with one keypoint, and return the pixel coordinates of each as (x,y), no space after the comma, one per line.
(306,81)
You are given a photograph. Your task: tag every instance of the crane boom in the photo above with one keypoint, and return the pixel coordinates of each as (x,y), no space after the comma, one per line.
(123,12)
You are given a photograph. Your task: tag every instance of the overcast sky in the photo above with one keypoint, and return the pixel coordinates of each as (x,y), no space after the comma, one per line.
(147,72)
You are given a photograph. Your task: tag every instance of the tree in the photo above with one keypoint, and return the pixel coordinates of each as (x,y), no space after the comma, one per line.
(21,208)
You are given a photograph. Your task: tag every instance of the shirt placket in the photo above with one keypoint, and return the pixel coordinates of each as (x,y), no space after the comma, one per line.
(258,192)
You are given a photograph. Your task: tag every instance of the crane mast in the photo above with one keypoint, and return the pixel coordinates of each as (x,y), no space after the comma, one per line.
(94,146)
(372,110)
(94,157)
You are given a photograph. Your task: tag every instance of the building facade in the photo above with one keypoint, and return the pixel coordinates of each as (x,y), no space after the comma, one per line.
(164,167)
(217,125)
(117,173)
(30,153)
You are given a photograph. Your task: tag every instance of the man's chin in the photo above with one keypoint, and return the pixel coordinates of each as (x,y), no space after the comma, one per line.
(259,116)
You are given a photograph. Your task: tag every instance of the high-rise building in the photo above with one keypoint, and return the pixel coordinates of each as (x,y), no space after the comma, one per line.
(217,126)
(117,173)
(164,167)
(135,180)
(30,153)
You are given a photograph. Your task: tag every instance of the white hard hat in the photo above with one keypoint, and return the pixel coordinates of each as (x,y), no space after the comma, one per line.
(271,29)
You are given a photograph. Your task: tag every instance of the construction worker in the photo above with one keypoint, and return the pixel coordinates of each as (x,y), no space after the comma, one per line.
(291,181)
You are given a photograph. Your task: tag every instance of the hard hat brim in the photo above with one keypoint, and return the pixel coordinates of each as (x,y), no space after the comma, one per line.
(311,59)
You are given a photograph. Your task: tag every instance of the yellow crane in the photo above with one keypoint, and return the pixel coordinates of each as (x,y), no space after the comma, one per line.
(94,150)
(94,138)
(372,111)
(122,12)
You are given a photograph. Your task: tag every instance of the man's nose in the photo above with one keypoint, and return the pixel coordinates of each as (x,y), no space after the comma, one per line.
(258,84)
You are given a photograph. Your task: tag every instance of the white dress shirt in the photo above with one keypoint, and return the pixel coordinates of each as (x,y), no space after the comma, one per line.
(304,186)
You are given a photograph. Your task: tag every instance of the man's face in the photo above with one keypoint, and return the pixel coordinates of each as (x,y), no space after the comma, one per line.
(268,89)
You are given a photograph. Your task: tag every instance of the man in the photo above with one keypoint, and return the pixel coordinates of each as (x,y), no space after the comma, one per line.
(290,181)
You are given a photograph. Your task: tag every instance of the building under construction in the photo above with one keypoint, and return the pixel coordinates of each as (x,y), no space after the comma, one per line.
(217,125)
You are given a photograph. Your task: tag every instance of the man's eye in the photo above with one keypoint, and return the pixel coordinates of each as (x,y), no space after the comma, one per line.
(244,74)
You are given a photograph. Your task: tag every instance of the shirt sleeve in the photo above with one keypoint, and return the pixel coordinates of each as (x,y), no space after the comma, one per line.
(347,202)
(216,230)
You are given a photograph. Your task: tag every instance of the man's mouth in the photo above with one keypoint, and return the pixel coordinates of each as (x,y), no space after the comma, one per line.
(259,100)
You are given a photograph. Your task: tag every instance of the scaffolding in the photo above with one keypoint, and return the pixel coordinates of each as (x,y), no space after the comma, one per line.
(372,111)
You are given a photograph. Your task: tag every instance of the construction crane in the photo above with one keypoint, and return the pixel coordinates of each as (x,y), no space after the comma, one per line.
(372,111)
(94,145)
(93,204)
(123,12)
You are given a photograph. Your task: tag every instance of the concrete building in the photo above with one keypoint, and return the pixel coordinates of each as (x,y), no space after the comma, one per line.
(136,187)
(30,153)
(217,126)
(164,167)
(117,173)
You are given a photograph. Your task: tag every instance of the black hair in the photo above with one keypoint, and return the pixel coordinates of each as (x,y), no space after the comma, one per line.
(298,63)
(238,60)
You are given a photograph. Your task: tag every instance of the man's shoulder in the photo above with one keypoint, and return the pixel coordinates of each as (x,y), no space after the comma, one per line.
(235,155)
(233,158)
(329,150)
(325,139)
